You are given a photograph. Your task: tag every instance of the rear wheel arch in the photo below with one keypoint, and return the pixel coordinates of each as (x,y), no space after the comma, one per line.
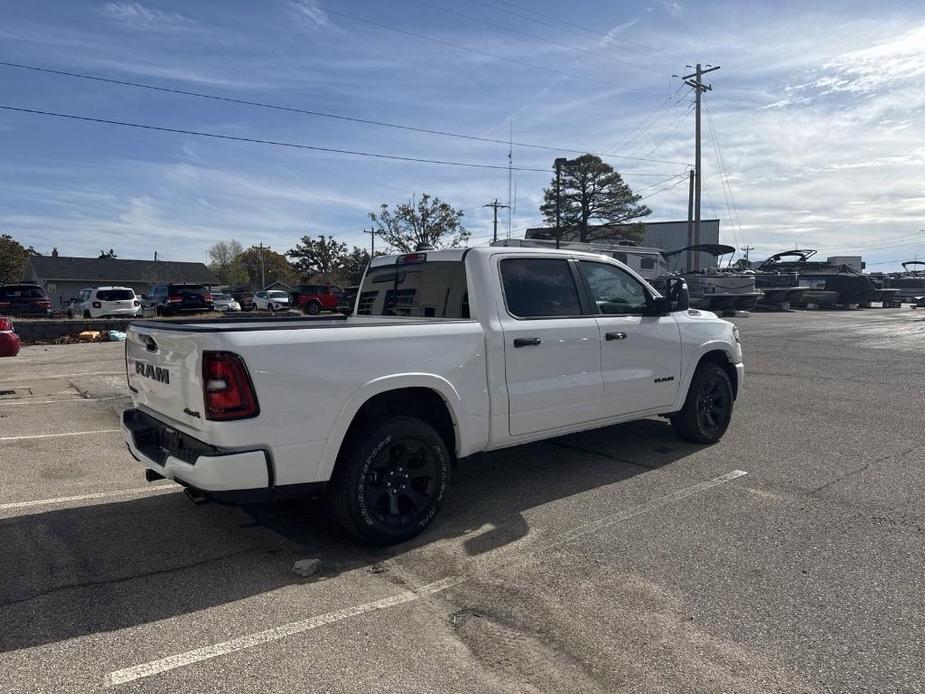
(423,400)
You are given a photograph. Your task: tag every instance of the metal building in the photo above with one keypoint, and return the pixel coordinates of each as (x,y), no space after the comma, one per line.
(667,236)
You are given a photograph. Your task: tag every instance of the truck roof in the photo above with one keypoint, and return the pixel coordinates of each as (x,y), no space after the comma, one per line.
(456,254)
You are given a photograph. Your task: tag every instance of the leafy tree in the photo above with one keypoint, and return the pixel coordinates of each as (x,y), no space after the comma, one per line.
(275,266)
(319,258)
(591,190)
(111,254)
(12,259)
(352,266)
(225,263)
(428,220)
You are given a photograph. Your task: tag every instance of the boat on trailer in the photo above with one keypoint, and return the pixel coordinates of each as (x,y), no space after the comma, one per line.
(718,289)
(910,282)
(827,283)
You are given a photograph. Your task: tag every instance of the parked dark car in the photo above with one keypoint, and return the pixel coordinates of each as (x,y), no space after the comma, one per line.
(347,300)
(315,298)
(24,300)
(174,299)
(245,297)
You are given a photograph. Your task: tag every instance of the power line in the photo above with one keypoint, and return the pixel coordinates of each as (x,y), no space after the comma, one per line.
(486,54)
(642,126)
(320,114)
(535,37)
(670,130)
(560,23)
(278,143)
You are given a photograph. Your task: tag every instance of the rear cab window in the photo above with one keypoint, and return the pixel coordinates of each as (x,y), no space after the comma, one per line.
(425,289)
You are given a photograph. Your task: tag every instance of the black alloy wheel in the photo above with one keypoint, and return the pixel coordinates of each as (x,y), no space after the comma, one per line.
(390,479)
(708,407)
(401,483)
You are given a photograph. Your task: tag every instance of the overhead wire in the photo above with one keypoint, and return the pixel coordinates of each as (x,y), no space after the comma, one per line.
(321,114)
(722,159)
(279,143)
(560,24)
(638,130)
(480,52)
(536,38)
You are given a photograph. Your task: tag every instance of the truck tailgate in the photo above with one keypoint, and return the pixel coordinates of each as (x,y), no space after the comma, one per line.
(165,373)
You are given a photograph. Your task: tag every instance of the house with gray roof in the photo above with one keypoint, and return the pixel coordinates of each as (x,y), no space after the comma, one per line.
(63,277)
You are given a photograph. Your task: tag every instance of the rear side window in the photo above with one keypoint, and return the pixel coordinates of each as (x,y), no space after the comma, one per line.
(115,294)
(539,288)
(428,289)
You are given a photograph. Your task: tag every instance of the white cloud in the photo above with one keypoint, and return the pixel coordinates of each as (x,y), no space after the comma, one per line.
(134,15)
(309,12)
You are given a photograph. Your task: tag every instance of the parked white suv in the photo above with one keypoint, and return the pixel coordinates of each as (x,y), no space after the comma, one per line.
(273,300)
(104,302)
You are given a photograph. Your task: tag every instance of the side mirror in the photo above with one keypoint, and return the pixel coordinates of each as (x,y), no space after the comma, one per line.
(657,306)
(678,295)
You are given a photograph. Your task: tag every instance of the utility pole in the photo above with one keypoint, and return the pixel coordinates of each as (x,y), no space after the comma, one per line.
(746,249)
(372,240)
(558,162)
(695,80)
(496,206)
(690,222)
(263,281)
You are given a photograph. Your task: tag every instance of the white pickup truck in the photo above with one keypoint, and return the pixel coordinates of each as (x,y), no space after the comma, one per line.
(447,353)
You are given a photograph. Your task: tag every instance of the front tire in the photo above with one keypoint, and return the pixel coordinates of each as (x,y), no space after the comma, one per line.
(707,410)
(313,308)
(390,481)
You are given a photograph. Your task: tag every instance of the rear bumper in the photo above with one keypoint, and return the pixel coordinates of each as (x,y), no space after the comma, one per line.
(228,476)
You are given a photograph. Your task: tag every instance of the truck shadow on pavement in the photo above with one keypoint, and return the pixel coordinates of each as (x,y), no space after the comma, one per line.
(78,571)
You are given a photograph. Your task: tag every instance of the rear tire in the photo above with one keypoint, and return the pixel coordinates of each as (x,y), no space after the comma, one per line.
(313,308)
(707,409)
(390,480)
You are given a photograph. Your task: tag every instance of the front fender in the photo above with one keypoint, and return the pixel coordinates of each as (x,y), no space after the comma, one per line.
(693,360)
(362,395)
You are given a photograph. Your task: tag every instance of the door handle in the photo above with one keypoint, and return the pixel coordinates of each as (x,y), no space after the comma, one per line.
(614,336)
(526,341)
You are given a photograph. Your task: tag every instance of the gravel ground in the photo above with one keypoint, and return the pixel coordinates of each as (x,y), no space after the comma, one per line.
(615,560)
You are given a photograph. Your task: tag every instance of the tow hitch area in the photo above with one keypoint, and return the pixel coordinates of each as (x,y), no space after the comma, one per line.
(195,496)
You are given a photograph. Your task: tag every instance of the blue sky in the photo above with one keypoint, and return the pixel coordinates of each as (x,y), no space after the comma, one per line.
(819,111)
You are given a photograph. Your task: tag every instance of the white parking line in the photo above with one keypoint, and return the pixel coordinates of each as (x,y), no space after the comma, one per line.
(13,403)
(250,640)
(52,436)
(52,377)
(239,643)
(138,491)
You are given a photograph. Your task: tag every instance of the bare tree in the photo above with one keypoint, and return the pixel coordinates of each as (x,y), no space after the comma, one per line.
(425,221)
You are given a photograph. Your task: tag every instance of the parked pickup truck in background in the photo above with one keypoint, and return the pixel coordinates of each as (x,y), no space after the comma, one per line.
(448,353)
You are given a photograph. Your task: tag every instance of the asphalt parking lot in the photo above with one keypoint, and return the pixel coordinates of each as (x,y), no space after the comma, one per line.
(790,557)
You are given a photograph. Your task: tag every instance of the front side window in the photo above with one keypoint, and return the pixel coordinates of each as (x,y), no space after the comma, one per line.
(614,290)
(539,288)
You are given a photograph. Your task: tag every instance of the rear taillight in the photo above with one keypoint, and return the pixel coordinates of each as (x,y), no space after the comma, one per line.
(137,303)
(6,324)
(44,303)
(207,297)
(4,304)
(174,299)
(227,388)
